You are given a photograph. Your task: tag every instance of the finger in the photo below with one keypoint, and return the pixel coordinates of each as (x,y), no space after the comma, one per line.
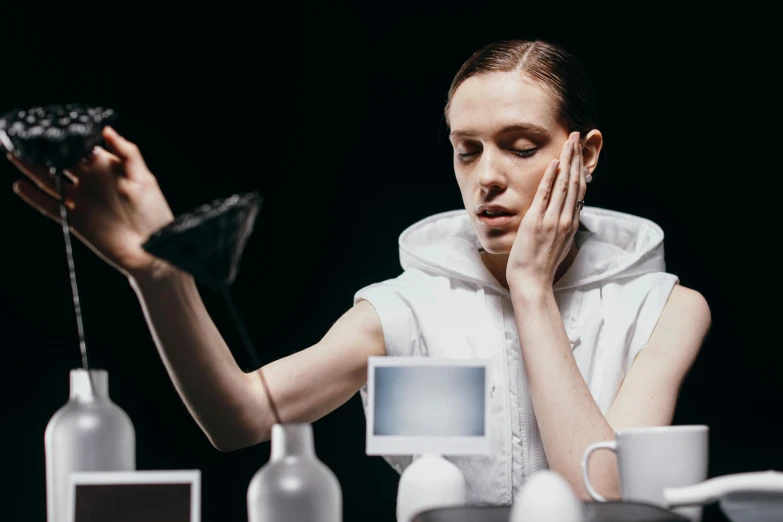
(38,170)
(78,171)
(125,150)
(102,161)
(582,192)
(37,199)
(89,160)
(541,199)
(44,179)
(560,188)
(574,181)
(71,177)
(99,153)
(99,163)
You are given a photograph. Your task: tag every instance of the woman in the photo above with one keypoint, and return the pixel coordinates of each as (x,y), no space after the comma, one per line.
(562,310)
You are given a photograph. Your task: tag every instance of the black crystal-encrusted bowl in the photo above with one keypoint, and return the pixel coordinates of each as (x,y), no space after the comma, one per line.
(209,241)
(54,135)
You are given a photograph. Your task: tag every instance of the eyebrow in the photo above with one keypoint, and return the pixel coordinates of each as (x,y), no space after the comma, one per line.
(528,128)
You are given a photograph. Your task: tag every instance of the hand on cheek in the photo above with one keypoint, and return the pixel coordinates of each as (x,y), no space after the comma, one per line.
(546,232)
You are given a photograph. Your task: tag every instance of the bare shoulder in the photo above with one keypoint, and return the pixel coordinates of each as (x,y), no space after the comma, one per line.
(690,305)
(684,322)
(361,327)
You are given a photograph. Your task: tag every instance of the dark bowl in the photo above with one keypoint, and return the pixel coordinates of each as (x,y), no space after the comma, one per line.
(593,512)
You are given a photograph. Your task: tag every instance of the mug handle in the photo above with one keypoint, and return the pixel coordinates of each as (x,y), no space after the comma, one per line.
(607,445)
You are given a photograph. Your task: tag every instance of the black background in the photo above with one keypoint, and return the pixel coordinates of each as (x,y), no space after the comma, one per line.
(335,115)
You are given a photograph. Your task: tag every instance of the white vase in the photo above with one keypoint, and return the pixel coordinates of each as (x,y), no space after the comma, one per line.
(89,433)
(294,485)
(429,482)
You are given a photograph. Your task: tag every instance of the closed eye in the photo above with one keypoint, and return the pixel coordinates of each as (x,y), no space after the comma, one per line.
(466,156)
(524,153)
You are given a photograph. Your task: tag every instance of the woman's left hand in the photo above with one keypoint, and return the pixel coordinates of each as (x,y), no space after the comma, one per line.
(547,230)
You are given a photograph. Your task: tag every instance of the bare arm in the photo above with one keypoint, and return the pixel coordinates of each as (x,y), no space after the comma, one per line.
(569,418)
(116,205)
(231,406)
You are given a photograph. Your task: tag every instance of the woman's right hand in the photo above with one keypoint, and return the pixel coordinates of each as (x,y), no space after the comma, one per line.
(114,203)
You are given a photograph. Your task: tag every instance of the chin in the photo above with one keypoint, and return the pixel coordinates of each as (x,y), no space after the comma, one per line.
(497,245)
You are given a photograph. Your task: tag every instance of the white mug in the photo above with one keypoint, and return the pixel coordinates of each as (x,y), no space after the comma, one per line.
(650,459)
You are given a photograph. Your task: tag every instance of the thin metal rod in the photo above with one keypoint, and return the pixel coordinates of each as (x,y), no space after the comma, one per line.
(58,178)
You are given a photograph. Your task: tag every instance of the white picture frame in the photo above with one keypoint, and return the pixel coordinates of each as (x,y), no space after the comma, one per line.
(442,444)
(134,478)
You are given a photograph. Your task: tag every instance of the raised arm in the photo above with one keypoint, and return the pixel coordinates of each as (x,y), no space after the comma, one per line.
(230,405)
(115,205)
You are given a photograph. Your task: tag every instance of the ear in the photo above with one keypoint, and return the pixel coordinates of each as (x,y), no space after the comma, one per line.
(591,148)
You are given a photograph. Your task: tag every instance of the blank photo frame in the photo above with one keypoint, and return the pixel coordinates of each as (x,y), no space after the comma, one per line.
(427,405)
(134,496)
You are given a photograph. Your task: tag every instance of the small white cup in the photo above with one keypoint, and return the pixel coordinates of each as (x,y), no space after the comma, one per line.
(650,459)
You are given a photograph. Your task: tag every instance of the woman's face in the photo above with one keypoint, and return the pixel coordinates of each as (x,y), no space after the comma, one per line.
(505,131)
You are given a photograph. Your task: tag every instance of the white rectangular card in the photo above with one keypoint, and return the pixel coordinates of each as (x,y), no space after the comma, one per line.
(427,405)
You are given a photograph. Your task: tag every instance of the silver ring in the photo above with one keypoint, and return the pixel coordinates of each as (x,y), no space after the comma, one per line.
(579,204)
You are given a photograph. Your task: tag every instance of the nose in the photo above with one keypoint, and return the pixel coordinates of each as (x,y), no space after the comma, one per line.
(491,176)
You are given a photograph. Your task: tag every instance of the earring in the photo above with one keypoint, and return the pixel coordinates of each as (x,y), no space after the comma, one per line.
(588,178)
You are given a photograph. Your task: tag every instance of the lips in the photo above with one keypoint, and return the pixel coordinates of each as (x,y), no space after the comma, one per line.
(492,209)
(493,215)
(495,221)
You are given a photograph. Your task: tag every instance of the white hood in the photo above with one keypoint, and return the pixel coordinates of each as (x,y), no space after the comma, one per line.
(614,246)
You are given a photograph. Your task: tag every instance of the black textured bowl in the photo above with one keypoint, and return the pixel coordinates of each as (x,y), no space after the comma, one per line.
(54,135)
(208,242)
(593,512)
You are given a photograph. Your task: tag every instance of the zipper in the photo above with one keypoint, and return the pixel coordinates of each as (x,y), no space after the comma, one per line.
(532,426)
(524,395)
(528,427)
(523,420)
(507,442)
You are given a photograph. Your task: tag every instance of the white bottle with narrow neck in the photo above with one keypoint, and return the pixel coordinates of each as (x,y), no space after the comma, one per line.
(294,484)
(89,433)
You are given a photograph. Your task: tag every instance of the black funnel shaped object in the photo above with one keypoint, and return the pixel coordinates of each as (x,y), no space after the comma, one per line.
(208,242)
(54,135)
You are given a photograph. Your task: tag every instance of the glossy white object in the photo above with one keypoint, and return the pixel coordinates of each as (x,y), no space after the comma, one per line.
(652,458)
(755,496)
(546,497)
(714,489)
(89,433)
(429,482)
(294,484)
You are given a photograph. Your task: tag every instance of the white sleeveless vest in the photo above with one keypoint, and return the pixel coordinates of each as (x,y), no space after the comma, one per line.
(447,304)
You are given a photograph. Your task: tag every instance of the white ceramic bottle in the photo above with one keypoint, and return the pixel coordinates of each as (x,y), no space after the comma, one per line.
(294,484)
(89,433)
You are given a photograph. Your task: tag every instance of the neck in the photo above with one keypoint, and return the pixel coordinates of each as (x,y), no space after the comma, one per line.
(497,263)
